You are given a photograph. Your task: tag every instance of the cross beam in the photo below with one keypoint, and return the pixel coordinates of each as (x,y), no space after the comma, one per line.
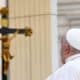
(27,31)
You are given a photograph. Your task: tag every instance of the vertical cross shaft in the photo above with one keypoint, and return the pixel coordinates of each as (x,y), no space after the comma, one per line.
(5,42)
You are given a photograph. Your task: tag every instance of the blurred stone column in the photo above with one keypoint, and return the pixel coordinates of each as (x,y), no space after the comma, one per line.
(54,33)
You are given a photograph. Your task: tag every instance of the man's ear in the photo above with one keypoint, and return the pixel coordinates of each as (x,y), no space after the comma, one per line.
(67,50)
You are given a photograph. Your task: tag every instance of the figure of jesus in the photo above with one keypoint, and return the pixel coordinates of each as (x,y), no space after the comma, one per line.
(6,56)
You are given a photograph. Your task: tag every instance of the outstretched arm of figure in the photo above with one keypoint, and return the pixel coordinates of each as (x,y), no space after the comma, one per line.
(14,35)
(10,38)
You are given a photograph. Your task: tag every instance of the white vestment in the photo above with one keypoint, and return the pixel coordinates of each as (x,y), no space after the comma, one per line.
(69,71)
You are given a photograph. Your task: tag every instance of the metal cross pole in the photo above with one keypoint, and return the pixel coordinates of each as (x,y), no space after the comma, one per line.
(6,39)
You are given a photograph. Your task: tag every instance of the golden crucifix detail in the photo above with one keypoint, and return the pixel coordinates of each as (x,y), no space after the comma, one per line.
(6,56)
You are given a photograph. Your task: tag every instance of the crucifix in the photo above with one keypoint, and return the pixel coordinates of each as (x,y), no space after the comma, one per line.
(5,31)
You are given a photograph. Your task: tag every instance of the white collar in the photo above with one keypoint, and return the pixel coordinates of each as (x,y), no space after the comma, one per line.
(73,57)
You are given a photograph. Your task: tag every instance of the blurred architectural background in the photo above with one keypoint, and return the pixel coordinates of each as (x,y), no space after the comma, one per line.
(68,14)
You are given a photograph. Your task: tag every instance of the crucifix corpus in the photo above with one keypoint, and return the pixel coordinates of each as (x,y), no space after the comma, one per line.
(5,31)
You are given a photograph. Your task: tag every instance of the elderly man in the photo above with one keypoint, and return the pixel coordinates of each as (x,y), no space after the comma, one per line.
(70,57)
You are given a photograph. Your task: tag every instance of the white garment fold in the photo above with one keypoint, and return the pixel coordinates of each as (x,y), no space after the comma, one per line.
(69,71)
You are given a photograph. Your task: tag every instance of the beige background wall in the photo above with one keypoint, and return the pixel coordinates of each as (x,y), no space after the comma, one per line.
(32,56)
